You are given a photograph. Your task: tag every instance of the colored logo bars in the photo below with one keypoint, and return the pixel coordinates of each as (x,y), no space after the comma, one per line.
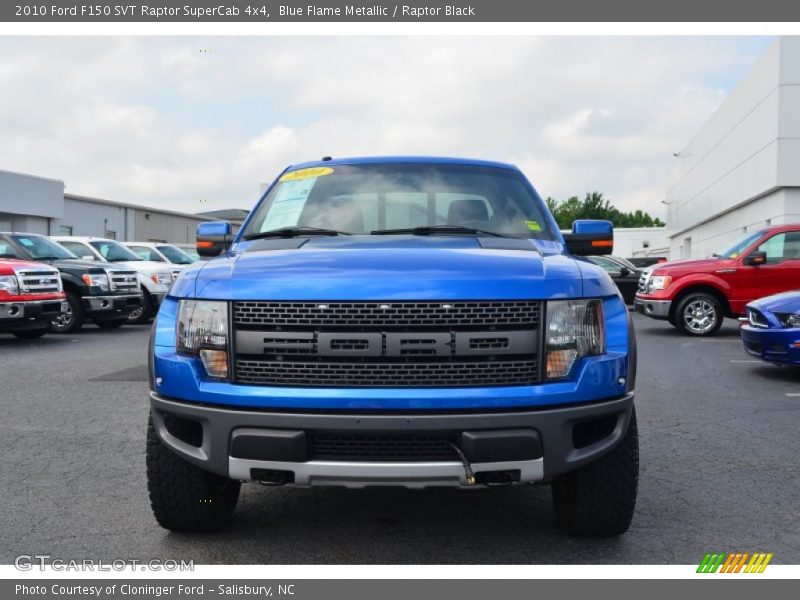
(735,563)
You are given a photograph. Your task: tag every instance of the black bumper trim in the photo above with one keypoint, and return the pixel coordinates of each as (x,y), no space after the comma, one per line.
(553,425)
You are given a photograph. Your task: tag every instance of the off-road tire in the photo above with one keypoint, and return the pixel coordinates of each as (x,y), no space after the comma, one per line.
(185,498)
(704,299)
(30,334)
(76,318)
(598,500)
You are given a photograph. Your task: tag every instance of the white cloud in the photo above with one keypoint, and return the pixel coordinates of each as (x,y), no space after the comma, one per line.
(173,121)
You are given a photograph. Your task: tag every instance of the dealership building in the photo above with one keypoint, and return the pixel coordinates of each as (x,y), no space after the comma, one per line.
(39,205)
(741,171)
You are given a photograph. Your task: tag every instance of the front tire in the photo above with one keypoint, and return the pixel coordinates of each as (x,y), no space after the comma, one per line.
(74,317)
(144,312)
(699,314)
(598,500)
(185,498)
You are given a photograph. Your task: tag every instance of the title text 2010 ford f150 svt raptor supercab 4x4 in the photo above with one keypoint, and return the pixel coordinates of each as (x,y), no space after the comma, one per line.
(395,321)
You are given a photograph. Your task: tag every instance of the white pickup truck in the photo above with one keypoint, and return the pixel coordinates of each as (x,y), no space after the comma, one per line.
(155,278)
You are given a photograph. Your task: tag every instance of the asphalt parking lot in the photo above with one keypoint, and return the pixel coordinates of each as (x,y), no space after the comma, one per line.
(720,471)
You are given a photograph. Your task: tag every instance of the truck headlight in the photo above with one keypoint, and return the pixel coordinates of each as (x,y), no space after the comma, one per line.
(203,331)
(659,282)
(161,278)
(96,280)
(789,320)
(9,283)
(574,330)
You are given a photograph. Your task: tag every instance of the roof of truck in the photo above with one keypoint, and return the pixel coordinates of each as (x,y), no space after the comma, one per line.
(434,160)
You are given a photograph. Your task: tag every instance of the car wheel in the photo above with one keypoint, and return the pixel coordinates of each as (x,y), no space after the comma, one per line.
(72,319)
(598,500)
(185,497)
(30,334)
(699,314)
(143,313)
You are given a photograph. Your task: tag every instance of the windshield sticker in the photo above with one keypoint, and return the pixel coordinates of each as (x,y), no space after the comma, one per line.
(533,225)
(288,203)
(26,242)
(307,174)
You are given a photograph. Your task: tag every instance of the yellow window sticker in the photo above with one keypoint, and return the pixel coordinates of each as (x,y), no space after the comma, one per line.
(533,225)
(306,173)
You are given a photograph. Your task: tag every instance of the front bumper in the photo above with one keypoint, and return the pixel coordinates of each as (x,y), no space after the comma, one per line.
(245,444)
(657,309)
(111,306)
(29,314)
(772,344)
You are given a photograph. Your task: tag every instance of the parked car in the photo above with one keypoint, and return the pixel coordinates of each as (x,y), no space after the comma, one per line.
(771,329)
(155,278)
(31,295)
(167,253)
(395,321)
(106,294)
(640,262)
(624,275)
(695,295)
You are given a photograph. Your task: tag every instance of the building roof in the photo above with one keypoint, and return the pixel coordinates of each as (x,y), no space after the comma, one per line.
(162,211)
(227,214)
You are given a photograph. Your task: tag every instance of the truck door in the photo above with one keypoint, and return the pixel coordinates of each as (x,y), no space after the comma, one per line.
(780,273)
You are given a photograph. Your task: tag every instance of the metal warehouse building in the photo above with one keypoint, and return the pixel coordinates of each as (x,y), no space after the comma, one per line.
(742,169)
(39,205)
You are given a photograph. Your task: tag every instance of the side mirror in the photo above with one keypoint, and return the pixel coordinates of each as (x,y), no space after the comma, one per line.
(754,259)
(590,238)
(624,271)
(213,238)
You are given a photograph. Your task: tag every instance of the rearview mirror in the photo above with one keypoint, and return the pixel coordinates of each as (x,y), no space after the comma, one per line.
(213,238)
(590,238)
(755,259)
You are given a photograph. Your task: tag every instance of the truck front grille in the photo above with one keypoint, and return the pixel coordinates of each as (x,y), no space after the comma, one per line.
(387,344)
(644,278)
(39,281)
(124,281)
(382,447)
(411,315)
(387,374)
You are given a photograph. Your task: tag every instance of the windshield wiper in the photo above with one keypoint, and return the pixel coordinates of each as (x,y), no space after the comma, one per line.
(293,232)
(433,229)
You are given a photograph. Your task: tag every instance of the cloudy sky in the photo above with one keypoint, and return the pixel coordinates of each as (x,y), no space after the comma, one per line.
(193,124)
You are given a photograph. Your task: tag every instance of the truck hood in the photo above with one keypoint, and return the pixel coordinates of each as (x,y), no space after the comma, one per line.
(144,266)
(388,268)
(693,265)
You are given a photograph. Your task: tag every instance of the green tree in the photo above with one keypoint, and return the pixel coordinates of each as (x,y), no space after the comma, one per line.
(595,206)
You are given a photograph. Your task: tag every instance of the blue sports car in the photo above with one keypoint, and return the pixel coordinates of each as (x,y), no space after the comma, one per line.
(771,330)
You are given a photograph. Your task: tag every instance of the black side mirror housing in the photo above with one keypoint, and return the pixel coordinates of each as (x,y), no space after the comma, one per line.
(213,238)
(755,259)
(590,238)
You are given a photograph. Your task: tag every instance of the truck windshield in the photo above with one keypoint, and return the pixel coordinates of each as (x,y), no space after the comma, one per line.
(359,199)
(114,252)
(741,245)
(40,248)
(175,255)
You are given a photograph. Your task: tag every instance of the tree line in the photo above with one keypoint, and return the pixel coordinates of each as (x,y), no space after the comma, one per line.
(594,206)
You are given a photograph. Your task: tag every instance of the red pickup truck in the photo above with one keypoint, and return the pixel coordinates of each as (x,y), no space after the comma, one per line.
(695,295)
(31,295)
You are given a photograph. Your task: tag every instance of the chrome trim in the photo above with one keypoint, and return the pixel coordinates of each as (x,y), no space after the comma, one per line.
(363,474)
(52,283)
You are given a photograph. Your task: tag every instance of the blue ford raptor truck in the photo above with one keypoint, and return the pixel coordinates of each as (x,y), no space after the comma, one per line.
(404,321)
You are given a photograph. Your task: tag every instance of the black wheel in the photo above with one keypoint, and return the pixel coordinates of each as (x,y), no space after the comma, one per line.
(110,324)
(30,334)
(598,499)
(144,312)
(71,320)
(184,497)
(699,314)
